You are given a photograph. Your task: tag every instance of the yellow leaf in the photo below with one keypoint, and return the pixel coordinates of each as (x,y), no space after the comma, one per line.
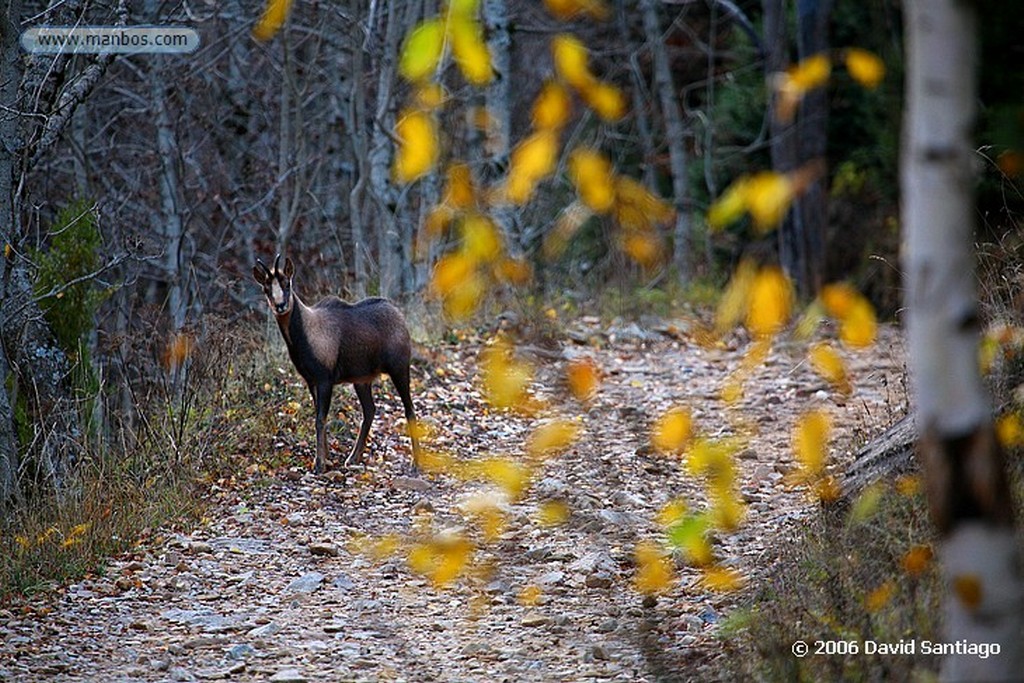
(606,100)
(530,595)
(515,271)
(968,589)
(828,489)
(450,272)
(865,67)
(512,477)
(827,363)
(418,147)
(722,579)
(505,379)
(859,328)
(553,106)
(728,510)
(470,50)
(729,206)
(441,559)
(768,196)
(917,560)
(462,301)
(756,355)
(552,513)
(430,96)
(552,438)
(583,377)
(712,458)
(570,57)
(459,191)
(422,50)
(644,248)
(436,462)
(857,324)
(654,571)
(733,304)
(771,302)
(809,321)
(672,513)
(672,431)
(636,208)
(463,8)
(810,441)
(593,177)
(867,503)
(880,597)
(532,160)
(384,547)
(1010,431)
(732,390)
(274,15)
(908,485)
(811,73)
(838,299)
(481,241)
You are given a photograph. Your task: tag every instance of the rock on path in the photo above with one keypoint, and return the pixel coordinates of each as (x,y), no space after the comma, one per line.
(270,589)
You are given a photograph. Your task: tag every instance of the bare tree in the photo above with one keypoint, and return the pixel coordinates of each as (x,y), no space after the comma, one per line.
(675,131)
(968,494)
(793,144)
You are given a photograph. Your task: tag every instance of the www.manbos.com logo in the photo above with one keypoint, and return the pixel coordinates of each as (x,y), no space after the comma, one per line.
(109,39)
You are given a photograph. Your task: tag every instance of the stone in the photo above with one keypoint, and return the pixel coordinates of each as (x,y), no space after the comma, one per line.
(324,549)
(307,583)
(265,630)
(240,651)
(411,484)
(534,620)
(598,580)
(180,674)
(288,676)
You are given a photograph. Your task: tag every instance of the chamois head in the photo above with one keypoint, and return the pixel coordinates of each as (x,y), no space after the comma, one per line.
(276,283)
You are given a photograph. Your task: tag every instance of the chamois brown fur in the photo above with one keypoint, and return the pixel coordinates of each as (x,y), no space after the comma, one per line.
(333,342)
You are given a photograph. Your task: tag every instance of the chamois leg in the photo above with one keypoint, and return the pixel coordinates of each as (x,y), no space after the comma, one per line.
(365,394)
(401,382)
(322,403)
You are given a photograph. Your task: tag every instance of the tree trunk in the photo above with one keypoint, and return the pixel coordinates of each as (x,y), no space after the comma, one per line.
(968,494)
(672,115)
(793,144)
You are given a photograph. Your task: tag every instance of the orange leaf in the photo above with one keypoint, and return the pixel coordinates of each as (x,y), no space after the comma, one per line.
(865,67)
(592,174)
(274,15)
(771,302)
(570,57)
(552,107)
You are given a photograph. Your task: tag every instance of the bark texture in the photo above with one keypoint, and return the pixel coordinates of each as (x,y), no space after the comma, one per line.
(965,475)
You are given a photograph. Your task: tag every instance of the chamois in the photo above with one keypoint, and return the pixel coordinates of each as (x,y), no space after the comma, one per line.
(334,342)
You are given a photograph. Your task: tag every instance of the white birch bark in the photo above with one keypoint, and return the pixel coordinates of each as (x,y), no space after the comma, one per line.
(966,482)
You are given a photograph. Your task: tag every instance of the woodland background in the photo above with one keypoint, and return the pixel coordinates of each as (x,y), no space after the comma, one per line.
(136,192)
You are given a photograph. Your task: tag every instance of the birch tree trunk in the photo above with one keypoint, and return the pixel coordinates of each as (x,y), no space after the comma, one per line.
(674,132)
(968,494)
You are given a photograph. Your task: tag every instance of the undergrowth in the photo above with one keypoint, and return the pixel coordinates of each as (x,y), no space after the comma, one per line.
(199,424)
(850,578)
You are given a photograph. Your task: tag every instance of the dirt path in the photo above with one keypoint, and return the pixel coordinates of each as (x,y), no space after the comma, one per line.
(269,587)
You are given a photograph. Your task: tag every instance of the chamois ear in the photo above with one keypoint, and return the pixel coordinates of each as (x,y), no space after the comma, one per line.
(289,268)
(260,273)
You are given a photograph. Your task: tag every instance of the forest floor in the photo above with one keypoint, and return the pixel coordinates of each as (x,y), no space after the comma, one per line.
(271,584)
